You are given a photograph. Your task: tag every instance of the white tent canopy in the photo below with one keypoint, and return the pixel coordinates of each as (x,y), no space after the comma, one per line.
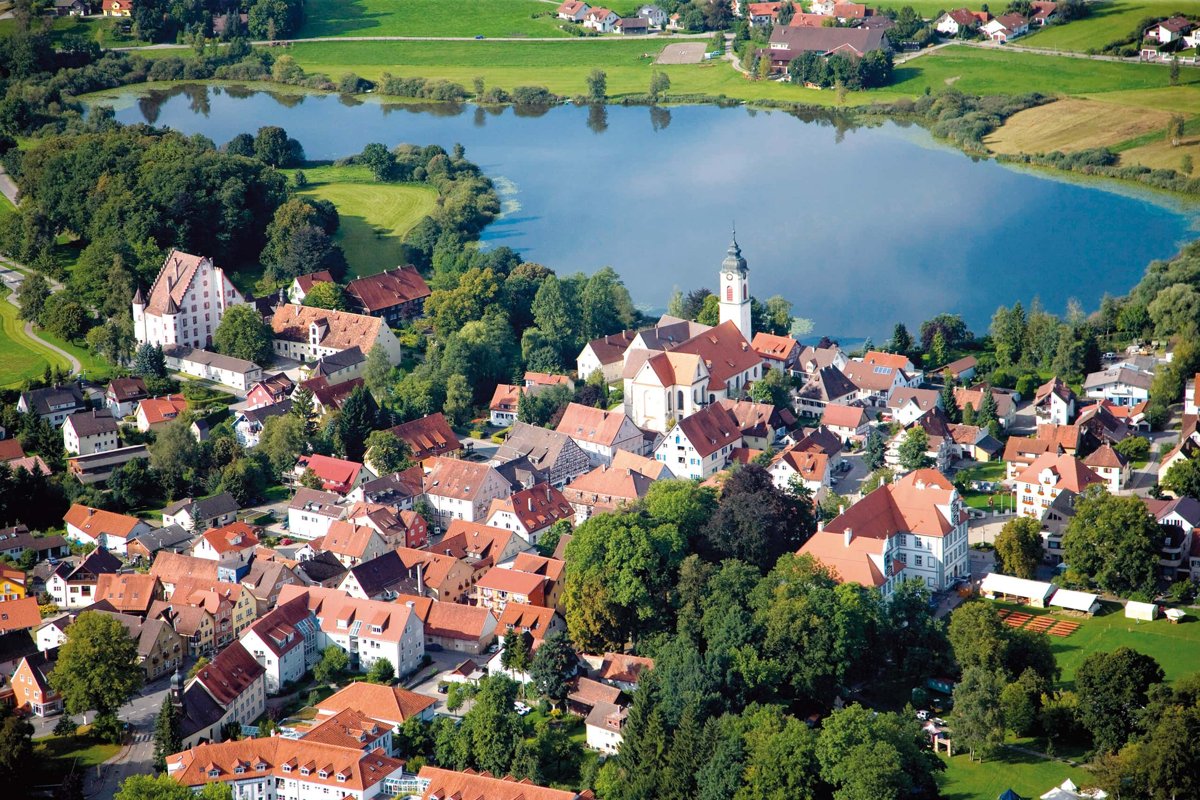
(1136,610)
(1075,601)
(1035,592)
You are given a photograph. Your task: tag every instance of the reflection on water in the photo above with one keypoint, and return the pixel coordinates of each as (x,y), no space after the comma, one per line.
(859,226)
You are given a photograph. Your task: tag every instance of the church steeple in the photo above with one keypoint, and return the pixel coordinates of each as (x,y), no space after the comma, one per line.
(735,289)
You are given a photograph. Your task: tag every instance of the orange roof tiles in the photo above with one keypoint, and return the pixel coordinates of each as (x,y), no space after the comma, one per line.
(725,352)
(914,504)
(127,592)
(234,536)
(843,416)
(596,425)
(162,409)
(388,289)
(537,507)
(521,616)
(96,522)
(337,330)
(1069,472)
(446,784)
(428,436)
(768,345)
(19,615)
(506,397)
(513,581)
(345,769)
(391,704)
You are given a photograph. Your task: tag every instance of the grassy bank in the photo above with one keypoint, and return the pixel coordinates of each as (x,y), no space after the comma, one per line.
(429,18)
(1110,20)
(20,356)
(374,216)
(1027,775)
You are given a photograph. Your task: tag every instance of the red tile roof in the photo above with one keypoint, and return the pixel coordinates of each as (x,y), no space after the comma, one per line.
(1069,472)
(506,397)
(388,289)
(336,474)
(96,522)
(346,769)
(389,703)
(19,615)
(725,352)
(917,503)
(710,429)
(162,409)
(10,450)
(234,536)
(127,592)
(232,672)
(537,507)
(595,425)
(843,416)
(311,279)
(445,784)
(428,436)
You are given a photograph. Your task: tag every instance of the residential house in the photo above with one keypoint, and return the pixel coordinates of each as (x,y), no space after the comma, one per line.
(453,626)
(248,423)
(573,10)
(552,569)
(336,474)
(586,693)
(156,412)
(1178,520)
(1043,11)
(600,432)
(231,546)
(655,16)
(761,424)
(444,784)
(306,334)
(266,579)
(605,723)
(428,436)
(959,21)
(398,528)
(601,20)
(129,592)
(201,514)
(328,397)
(284,643)
(479,545)
(875,382)
(87,432)
(12,584)
(456,489)
(117,8)
(915,527)
(908,405)
(231,690)
(106,529)
(16,540)
(1006,407)
(31,685)
(1120,385)
(186,302)
(962,370)
(72,585)
(814,359)
(392,705)
(123,394)
(352,544)
(19,615)
(504,404)
(1191,401)
(810,468)
(145,546)
(368,630)
(848,422)
(97,467)
(336,368)
(236,373)
(1110,465)
(537,621)
(394,295)
(535,455)
(699,446)
(762,14)
(606,355)
(311,512)
(270,390)
(398,490)
(302,285)
(778,352)
(828,385)
(1054,402)
(54,403)
(196,626)
(788,43)
(289,769)
(160,649)
(232,606)
(499,586)
(1041,484)
(1169,30)
(530,512)
(605,489)
(443,577)
(1005,27)
(621,670)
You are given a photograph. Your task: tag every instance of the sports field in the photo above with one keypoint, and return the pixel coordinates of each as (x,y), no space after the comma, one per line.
(505,18)
(374,216)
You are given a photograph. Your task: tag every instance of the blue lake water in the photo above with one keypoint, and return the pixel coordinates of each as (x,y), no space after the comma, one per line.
(859,228)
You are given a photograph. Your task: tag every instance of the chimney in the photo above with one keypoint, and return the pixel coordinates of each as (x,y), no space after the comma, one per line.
(820,525)
(420,580)
(847,535)
(410,604)
(530,501)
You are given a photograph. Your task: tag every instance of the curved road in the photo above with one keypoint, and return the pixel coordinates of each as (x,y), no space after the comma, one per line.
(10,271)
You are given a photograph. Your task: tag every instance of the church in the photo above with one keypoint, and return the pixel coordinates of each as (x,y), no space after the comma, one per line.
(666,380)
(186,303)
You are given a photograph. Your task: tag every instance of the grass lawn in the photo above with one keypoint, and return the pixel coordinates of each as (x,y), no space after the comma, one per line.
(1109,21)
(1175,646)
(374,216)
(55,755)
(100,30)
(505,18)
(94,367)
(1028,776)
(20,356)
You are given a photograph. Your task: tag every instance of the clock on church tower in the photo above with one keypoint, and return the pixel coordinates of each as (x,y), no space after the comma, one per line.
(735,289)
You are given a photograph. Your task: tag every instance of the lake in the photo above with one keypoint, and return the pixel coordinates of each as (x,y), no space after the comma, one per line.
(859,228)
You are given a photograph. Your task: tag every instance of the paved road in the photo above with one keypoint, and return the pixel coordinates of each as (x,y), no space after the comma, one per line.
(137,756)
(8,187)
(535,39)
(13,280)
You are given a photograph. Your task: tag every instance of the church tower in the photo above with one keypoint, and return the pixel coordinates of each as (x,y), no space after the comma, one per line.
(735,289)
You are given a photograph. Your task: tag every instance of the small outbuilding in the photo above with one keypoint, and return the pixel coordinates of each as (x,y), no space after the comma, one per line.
(1006,587)
(1136,610)
(1081,602)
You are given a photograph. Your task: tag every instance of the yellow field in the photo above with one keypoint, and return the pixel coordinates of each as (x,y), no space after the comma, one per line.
(1161,155)
(1074,124)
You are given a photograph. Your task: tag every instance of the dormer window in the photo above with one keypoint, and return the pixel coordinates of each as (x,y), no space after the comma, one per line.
(305,770)
(341,778)
(287,767)
(376,629)
(322,774)
(213,773)
(239,769)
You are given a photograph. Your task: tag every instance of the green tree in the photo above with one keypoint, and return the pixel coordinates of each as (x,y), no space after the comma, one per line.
(32,295)
(378,373)
(773,389)
(97,666)
(491,728)
(710,311)
(553,666)
(16,751)
(1113,543)
(1019,547)
(756,522)
(781,758)
(63,316)
(1020,703)
(303,410)
(282,441)
(326,295)
(112,340)
(985,413)
(660,82)
(950,402)
(978,715)
(243,334)
(388,453)
(605,305)
(167,736)
(176,456)
(1009,334)
(332,666)
(1112,688)
(164,787)
(1170,758)
(515,654)
(939,350)
(867,755)
(874,449)
(273,146)
(597,85)
(149,361)
(379,160)
(1182,478)
(978,637)
(902,341)
(913,450)
(458,400)
(355,423)
(382,671)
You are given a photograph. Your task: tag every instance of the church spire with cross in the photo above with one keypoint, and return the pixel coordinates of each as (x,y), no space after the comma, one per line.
(735,289)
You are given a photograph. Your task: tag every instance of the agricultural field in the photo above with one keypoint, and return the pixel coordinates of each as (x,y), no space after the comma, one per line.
(1110,20)
(374,216)
(468,18)
(1074,124)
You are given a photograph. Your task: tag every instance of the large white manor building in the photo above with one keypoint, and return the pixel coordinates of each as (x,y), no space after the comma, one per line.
(186,303)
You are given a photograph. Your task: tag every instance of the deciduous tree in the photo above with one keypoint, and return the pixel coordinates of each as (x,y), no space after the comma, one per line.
(978,716)
(326,295)
(97,666)
(1112,688)
(1113,543)
(1019,547)
(914,449)
(388,453)
(243,334)
(756,522)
